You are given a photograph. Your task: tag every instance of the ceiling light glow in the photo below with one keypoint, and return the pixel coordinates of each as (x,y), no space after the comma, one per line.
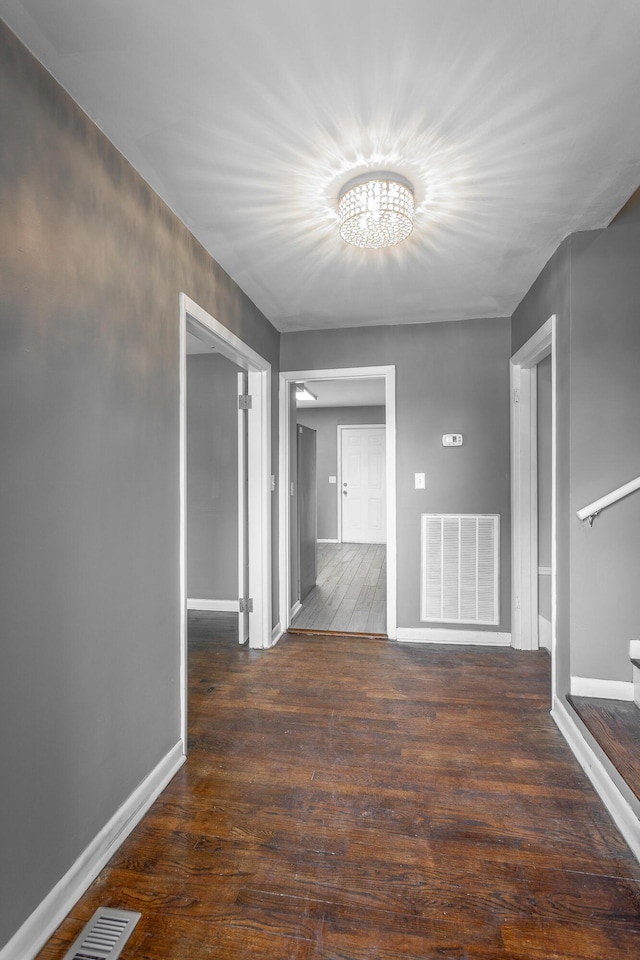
(376,210)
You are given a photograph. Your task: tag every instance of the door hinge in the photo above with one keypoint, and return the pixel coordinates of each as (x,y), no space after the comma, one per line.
(246,605)
(516,396)
(244,401)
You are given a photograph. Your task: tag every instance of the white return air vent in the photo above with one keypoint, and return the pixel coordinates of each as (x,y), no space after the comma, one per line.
(460,568)
(104,936)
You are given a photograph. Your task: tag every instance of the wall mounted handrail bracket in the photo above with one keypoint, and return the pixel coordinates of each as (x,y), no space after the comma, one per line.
(591,511)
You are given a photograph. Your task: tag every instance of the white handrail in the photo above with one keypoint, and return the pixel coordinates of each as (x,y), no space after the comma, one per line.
(593,509)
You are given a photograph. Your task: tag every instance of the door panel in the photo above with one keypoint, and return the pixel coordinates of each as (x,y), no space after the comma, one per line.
(363,492)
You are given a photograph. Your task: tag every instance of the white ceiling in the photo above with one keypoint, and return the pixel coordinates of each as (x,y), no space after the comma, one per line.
(517,121)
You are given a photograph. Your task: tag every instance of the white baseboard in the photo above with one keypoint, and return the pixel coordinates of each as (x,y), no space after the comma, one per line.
(216,606)
(295,610)
(432,635)
(544,633)
(618,806)
(605,689)
(276,633)
(319,540)
(36,930)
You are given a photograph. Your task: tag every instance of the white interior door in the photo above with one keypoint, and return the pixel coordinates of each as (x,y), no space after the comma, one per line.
(362,484)
(243,511)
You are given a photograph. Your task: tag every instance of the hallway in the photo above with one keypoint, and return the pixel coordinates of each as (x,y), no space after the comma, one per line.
(350,798)
(350,592)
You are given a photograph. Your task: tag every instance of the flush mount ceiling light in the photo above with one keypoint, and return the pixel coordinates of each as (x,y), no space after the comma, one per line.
(303,392)
(376,210)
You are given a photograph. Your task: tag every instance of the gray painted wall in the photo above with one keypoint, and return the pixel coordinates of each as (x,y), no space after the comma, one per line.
(325,422)
(605,445)
(212,478)
(91,267)
(451,378)
(593,284)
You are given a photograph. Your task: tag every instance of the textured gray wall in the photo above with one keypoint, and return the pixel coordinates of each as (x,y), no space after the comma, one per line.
(450,378)
(212,478)
(593,285)
(605,440)
(91,267)
(325,422)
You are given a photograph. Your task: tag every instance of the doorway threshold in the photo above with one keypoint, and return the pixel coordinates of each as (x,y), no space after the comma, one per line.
(308,631)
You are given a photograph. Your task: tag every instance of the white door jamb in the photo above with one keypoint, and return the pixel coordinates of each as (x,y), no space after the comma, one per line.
(524,489)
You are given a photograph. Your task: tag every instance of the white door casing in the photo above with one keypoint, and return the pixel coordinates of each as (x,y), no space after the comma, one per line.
(207,328)
(388,373)
(243,510)
(361,483)
(524,490)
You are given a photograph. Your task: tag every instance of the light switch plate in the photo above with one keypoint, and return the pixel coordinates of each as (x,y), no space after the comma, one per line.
(420,481)
(451,439)
(332,479)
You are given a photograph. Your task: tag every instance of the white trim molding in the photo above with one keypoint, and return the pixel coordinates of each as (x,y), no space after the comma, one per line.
(295,610)
(484,638)
(276,633)
(602,689)
(215,606)
(321,540)
(38,928)
(616,803)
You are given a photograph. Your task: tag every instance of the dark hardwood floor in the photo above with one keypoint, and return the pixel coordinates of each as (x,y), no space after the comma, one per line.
(615,725)
(353,799)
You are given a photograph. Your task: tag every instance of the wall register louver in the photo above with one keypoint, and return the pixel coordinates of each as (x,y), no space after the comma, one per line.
(104,935)
(460,568)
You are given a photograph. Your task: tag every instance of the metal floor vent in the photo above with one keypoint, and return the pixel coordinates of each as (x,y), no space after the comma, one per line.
(104,936)
(460,574)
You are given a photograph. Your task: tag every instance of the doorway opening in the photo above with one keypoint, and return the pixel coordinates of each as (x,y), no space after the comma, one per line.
(337,559)
(251,605)
(528,539)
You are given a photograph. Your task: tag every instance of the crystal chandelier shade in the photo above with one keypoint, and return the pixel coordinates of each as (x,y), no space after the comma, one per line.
(376,210)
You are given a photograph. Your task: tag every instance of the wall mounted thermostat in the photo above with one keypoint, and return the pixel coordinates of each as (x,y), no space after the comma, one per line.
(451,439)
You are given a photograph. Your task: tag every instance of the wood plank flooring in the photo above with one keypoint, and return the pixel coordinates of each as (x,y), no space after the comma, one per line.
(615,725)
(358,799)
(350,595)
